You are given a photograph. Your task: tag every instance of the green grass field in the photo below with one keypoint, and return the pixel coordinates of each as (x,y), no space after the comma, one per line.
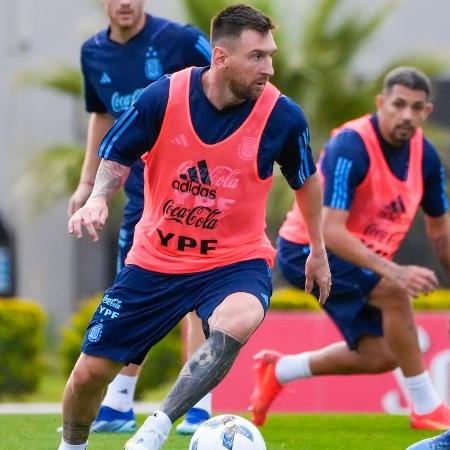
(282,432)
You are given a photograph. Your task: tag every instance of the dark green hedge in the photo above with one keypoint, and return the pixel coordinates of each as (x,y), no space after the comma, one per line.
(22,325)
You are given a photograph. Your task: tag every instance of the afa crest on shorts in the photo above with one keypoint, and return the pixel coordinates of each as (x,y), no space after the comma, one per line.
(95,333)
(153,68)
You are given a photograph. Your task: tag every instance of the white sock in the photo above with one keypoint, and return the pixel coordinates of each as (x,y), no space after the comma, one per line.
(205,403)
(424,397)
(65,446)
(120,393)
(292,367)
(159,421)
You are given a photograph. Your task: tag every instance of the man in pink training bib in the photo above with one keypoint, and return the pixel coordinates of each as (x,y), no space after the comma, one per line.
(377,170)
(209,138)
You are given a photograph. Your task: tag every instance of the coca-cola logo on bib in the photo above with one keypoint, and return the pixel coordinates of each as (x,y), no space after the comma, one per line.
(198,216)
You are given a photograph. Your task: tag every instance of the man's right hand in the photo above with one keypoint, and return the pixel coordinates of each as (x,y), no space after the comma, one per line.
(414,280)
(79,197)
(92,216)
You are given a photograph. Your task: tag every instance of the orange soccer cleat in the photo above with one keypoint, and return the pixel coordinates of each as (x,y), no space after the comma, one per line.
(266,387)
(439,419)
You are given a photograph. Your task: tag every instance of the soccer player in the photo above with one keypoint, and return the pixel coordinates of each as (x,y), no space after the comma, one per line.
(376,171)
(209,138)
(117,64)
(441,442)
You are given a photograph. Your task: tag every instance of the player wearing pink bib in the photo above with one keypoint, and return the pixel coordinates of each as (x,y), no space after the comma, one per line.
(376,171)
(200,244)
(380,229)
(194,219)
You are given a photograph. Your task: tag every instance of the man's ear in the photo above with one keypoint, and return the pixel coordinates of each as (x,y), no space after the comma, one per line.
(428,109)
(219,57)
(379,101)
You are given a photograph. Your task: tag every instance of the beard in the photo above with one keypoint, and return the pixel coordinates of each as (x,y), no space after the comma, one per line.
(243,90)
(402,134)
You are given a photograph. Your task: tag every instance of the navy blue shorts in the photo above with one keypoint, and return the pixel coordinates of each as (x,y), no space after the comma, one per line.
(347,304)
(143,306)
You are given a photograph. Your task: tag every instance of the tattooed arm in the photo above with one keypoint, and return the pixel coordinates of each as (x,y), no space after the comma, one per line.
(98,126)
(110,178)
(438,230)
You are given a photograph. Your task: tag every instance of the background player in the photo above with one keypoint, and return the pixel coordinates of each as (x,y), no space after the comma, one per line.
(376,170)
(117,64)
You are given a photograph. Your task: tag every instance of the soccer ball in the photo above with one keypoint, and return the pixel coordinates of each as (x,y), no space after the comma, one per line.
(227,432)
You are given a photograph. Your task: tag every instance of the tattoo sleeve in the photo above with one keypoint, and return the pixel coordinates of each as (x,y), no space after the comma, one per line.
(76,433)
(110,178)
(204,371)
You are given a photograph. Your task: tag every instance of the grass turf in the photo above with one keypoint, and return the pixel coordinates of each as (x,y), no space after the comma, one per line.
(282,432)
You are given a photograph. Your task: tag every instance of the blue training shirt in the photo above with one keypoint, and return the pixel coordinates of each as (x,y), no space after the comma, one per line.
(345,164)
(285,138)
(115,74)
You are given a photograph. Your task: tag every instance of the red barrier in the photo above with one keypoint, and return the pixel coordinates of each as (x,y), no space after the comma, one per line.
(291,332)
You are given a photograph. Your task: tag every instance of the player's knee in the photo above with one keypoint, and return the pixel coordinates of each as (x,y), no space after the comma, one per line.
(381,363)
(79,378)
(400,304)
(241,328)
(245,322)
(84,375)
(397,300)
(239,315)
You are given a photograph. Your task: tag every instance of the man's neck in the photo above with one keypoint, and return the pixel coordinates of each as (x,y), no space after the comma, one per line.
(123,35)
(217,90)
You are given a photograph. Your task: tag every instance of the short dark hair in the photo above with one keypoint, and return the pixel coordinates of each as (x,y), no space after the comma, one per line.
(234,19)
(409,77)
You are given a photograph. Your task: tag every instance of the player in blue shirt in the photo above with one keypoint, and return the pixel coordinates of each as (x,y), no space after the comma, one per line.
(117,64)
(370,301)
(231,289)
(348,146)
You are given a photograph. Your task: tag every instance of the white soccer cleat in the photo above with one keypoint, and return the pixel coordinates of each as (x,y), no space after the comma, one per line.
(148,437)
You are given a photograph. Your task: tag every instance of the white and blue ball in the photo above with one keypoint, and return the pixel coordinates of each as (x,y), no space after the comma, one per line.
(227,432)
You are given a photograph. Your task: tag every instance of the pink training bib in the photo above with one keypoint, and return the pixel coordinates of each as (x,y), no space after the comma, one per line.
(204,204)
(384,206)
